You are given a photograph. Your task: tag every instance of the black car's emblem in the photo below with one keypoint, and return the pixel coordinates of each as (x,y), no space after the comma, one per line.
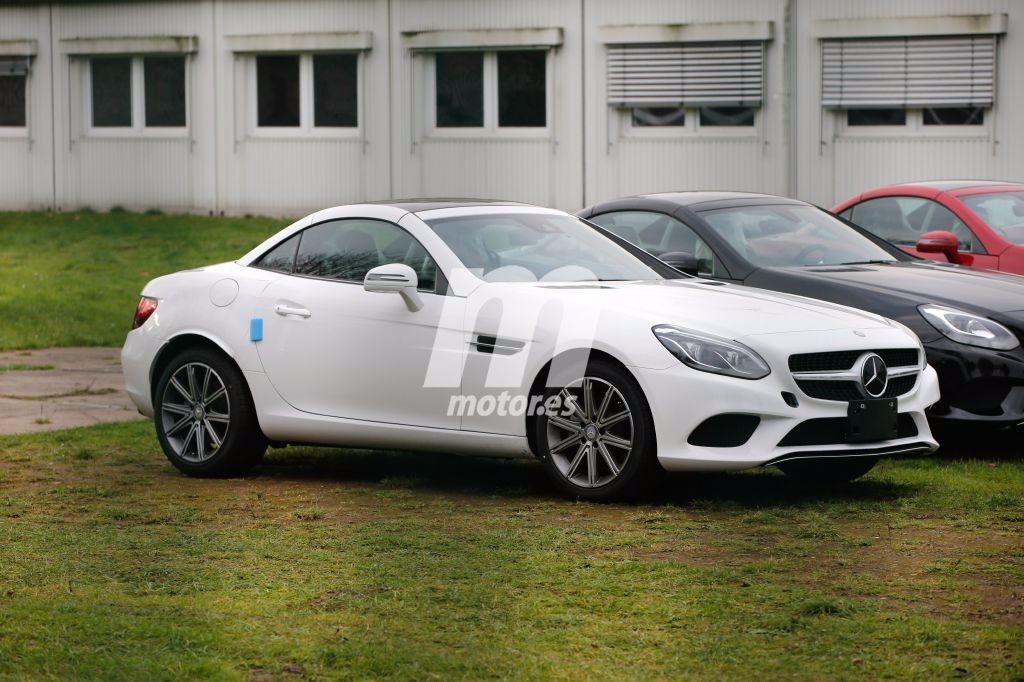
(874,375)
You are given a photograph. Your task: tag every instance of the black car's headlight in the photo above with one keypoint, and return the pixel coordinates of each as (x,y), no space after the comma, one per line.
(968,328)
(712,354)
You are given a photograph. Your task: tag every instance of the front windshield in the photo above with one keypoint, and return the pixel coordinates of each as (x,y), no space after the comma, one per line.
(788,236)
(531,247)
(1002,211)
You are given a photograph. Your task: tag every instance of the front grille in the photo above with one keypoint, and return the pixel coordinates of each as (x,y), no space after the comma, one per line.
(832,431)
(847,390)
(844,359)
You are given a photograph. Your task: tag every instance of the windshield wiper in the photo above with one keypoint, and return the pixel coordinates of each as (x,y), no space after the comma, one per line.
(870,262)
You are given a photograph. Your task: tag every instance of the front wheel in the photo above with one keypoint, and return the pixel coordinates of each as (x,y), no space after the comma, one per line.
(828,470)
(205,418)
(598,443)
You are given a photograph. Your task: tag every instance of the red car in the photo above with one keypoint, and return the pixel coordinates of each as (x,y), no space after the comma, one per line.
(969,222)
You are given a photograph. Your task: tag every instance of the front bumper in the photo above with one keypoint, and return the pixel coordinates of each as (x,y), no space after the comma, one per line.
(681,399)
(979,386)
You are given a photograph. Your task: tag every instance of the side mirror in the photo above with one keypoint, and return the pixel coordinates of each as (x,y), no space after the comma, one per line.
(683,261)
(940,241)
(395,278)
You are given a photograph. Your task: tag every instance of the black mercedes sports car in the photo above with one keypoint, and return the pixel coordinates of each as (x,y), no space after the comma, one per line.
(971,322)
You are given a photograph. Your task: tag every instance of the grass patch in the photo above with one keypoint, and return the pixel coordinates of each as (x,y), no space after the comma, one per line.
(74,393)
(22,367)
(73,279)
(349,564)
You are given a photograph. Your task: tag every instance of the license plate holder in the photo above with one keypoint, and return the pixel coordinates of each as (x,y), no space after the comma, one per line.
(872,420)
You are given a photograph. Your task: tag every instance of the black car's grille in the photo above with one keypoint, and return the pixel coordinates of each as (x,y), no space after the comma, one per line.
(847,390)
(844,359)
(832,431)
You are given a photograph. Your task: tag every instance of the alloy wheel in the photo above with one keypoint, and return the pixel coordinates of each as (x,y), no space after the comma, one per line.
(195,412)
(590,436)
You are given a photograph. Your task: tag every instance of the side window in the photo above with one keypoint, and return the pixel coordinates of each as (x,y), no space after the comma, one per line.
(898,220)
(658,234)
(941,218)
(281,258)
(348,249)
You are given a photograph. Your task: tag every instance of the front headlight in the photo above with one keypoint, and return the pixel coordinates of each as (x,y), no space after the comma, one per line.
(968,328)
(711,353)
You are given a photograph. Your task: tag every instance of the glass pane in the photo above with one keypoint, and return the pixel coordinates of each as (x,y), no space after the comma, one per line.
(522,89)
(876,117)
(658,116)
(348,249)
(898,220)
(941,218)
(12,101)
(954,116)
(111,92)
(165,91)
(1002,211)
(277,90)
(335,90)
(658,234)
(460,89)
(726,116)
(281,258)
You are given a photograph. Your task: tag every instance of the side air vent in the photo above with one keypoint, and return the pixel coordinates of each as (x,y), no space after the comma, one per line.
(492,345)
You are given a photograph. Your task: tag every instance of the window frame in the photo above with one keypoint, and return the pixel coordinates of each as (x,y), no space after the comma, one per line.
(7,132)
(490,127)
(307,101)
(440,279)
(915,126)
(691,127)
(137,82)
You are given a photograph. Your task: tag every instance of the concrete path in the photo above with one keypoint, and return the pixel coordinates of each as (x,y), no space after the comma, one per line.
(80,387)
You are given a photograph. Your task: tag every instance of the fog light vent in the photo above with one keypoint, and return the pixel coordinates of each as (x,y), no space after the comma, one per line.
(724,431)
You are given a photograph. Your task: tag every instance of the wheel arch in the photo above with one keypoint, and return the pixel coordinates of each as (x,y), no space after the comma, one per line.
(180,342)
(537,386)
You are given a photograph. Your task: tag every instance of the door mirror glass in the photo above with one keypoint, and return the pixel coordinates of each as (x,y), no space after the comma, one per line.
(395,278)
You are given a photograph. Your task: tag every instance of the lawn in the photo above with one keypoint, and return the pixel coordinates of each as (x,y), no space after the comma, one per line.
(328,563)
(73,279)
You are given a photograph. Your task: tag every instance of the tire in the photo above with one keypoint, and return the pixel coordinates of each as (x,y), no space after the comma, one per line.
(217,436)
(828,470)
(579,459)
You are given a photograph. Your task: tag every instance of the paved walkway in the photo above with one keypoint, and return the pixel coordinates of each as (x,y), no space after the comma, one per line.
(83,386)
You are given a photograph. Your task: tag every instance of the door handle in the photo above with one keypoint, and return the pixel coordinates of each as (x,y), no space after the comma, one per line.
(285,310)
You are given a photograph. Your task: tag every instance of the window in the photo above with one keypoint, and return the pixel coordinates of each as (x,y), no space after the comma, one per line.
(659,234)
(165,91)
(13,79)
(307,91)
(504,89)
(901,220)
(920,82)
(1002,211)
(281,258)
(348,249)
(137,92)
(687,85)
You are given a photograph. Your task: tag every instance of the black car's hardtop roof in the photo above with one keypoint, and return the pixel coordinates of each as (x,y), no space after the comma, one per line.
(696,201)
(419,205)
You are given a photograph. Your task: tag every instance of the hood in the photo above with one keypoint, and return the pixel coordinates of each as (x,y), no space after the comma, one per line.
(727,310)
(883,289)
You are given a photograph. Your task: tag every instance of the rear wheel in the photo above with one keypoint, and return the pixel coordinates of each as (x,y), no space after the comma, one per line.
(828,470)
(598,444)
(205,419)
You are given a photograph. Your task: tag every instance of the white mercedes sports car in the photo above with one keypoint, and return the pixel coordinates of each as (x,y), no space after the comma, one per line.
(496,328)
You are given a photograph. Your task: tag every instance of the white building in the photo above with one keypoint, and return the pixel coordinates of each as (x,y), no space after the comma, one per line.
(253,106)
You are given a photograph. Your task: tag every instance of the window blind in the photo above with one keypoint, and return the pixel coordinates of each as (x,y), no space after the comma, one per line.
(909,72)
(13,66)
(719,73)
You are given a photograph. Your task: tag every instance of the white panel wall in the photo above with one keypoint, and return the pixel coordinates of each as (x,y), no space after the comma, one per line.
(586,155)
(833,164)
(544,170)
(666,160)
(287,175)
(26,169)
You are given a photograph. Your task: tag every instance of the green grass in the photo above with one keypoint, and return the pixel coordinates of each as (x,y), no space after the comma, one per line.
(332,563)
(22,367)
(73,279)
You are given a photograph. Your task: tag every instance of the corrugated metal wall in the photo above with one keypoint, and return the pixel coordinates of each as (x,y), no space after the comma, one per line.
(585,154)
